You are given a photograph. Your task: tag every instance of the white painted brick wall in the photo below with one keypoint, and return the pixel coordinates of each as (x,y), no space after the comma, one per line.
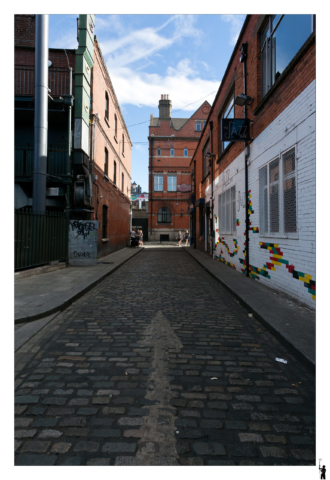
(294,126)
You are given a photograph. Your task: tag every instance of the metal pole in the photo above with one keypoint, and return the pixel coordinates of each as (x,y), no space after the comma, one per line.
(247,216)
(40,114)
(68,172)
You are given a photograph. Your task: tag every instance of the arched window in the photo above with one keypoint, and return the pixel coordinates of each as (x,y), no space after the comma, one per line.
(123,140)
(164,215)
(106,105)
(186,152)
(158,151)
(172,152)
(115,125)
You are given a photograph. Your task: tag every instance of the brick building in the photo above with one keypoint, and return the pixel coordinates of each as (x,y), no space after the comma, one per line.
(111,161)
(273,63)
(172,142)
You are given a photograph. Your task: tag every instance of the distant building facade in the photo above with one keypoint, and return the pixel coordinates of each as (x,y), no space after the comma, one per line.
(172,142)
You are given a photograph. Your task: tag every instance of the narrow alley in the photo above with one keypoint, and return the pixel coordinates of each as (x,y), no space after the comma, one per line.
(160,365)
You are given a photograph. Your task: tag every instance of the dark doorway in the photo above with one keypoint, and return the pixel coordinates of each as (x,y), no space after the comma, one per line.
(164,238)
(143,224)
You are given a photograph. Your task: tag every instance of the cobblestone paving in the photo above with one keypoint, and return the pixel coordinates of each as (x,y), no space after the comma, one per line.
(159,365)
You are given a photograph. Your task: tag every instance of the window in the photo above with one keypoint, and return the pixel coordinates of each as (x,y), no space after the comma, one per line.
(185,152)
(105,221)
(282,38)
(206,159)
(277,196)
(106,163)
(123,142)
(204,124)
(158,183)
(198,126)
(115,173)
(122,182)
(164,215)
(172,152)
(171,183)
(106,105)
(115,125)
(228,112)
(227,211)
(158,151)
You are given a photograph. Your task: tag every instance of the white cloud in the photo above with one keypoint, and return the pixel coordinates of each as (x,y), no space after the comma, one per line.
(144,89)
(236,23)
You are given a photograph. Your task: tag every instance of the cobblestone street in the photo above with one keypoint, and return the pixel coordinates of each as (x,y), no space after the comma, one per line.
(160,365)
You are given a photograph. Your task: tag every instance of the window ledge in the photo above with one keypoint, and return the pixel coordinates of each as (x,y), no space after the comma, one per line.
(115,138)
(285,73)
(105,240)
(284,237)
(106,177)
(106,121)
(123,154)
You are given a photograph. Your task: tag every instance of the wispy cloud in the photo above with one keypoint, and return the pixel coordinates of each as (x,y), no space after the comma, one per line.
(144,89)
(236,23)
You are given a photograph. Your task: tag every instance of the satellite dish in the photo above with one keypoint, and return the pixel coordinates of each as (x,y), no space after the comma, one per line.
(49,63)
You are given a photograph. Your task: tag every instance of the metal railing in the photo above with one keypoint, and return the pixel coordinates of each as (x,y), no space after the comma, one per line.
(58,80)
(56,160)
(40,238)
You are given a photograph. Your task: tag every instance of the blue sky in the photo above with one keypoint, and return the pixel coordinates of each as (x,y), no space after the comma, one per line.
(184,56)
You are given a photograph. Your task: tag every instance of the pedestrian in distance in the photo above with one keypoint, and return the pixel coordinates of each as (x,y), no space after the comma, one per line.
(186,237)
(132,238)
(137,238)
(179,238)
(141,238)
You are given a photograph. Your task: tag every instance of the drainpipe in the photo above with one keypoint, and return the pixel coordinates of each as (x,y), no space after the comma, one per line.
(247,216)
(195,212)
(211,160)
(68,168)
(152,148)
(40,114)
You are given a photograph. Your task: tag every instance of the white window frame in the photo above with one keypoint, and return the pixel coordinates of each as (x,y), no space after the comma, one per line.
(228,199)
(171,186)
(281,233)
(228,109)
(158,183)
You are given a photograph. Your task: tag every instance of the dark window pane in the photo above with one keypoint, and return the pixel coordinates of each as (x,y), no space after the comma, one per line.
(289,192)
(274,207)
(288,38)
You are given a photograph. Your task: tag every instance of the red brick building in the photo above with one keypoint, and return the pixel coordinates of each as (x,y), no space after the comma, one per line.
(172,142)
(111,161)
(268,181)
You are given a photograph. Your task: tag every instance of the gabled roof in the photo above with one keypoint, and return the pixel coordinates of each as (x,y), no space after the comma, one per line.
(176,123)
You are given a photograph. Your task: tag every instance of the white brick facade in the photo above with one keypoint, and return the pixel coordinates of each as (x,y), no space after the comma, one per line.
(294,127)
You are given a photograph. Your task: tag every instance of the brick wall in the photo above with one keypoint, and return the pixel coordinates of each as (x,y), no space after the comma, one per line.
(113,196)
(25,26)
(165,138)
(284,118)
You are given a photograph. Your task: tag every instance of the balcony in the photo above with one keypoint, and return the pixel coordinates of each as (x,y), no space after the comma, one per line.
(58,81)
(24,157)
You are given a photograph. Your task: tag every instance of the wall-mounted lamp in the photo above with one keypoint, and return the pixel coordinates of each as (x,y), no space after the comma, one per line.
(242,100)
(134,185)
(101,196)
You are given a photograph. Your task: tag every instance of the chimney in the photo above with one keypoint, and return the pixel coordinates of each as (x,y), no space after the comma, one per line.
(165,107)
